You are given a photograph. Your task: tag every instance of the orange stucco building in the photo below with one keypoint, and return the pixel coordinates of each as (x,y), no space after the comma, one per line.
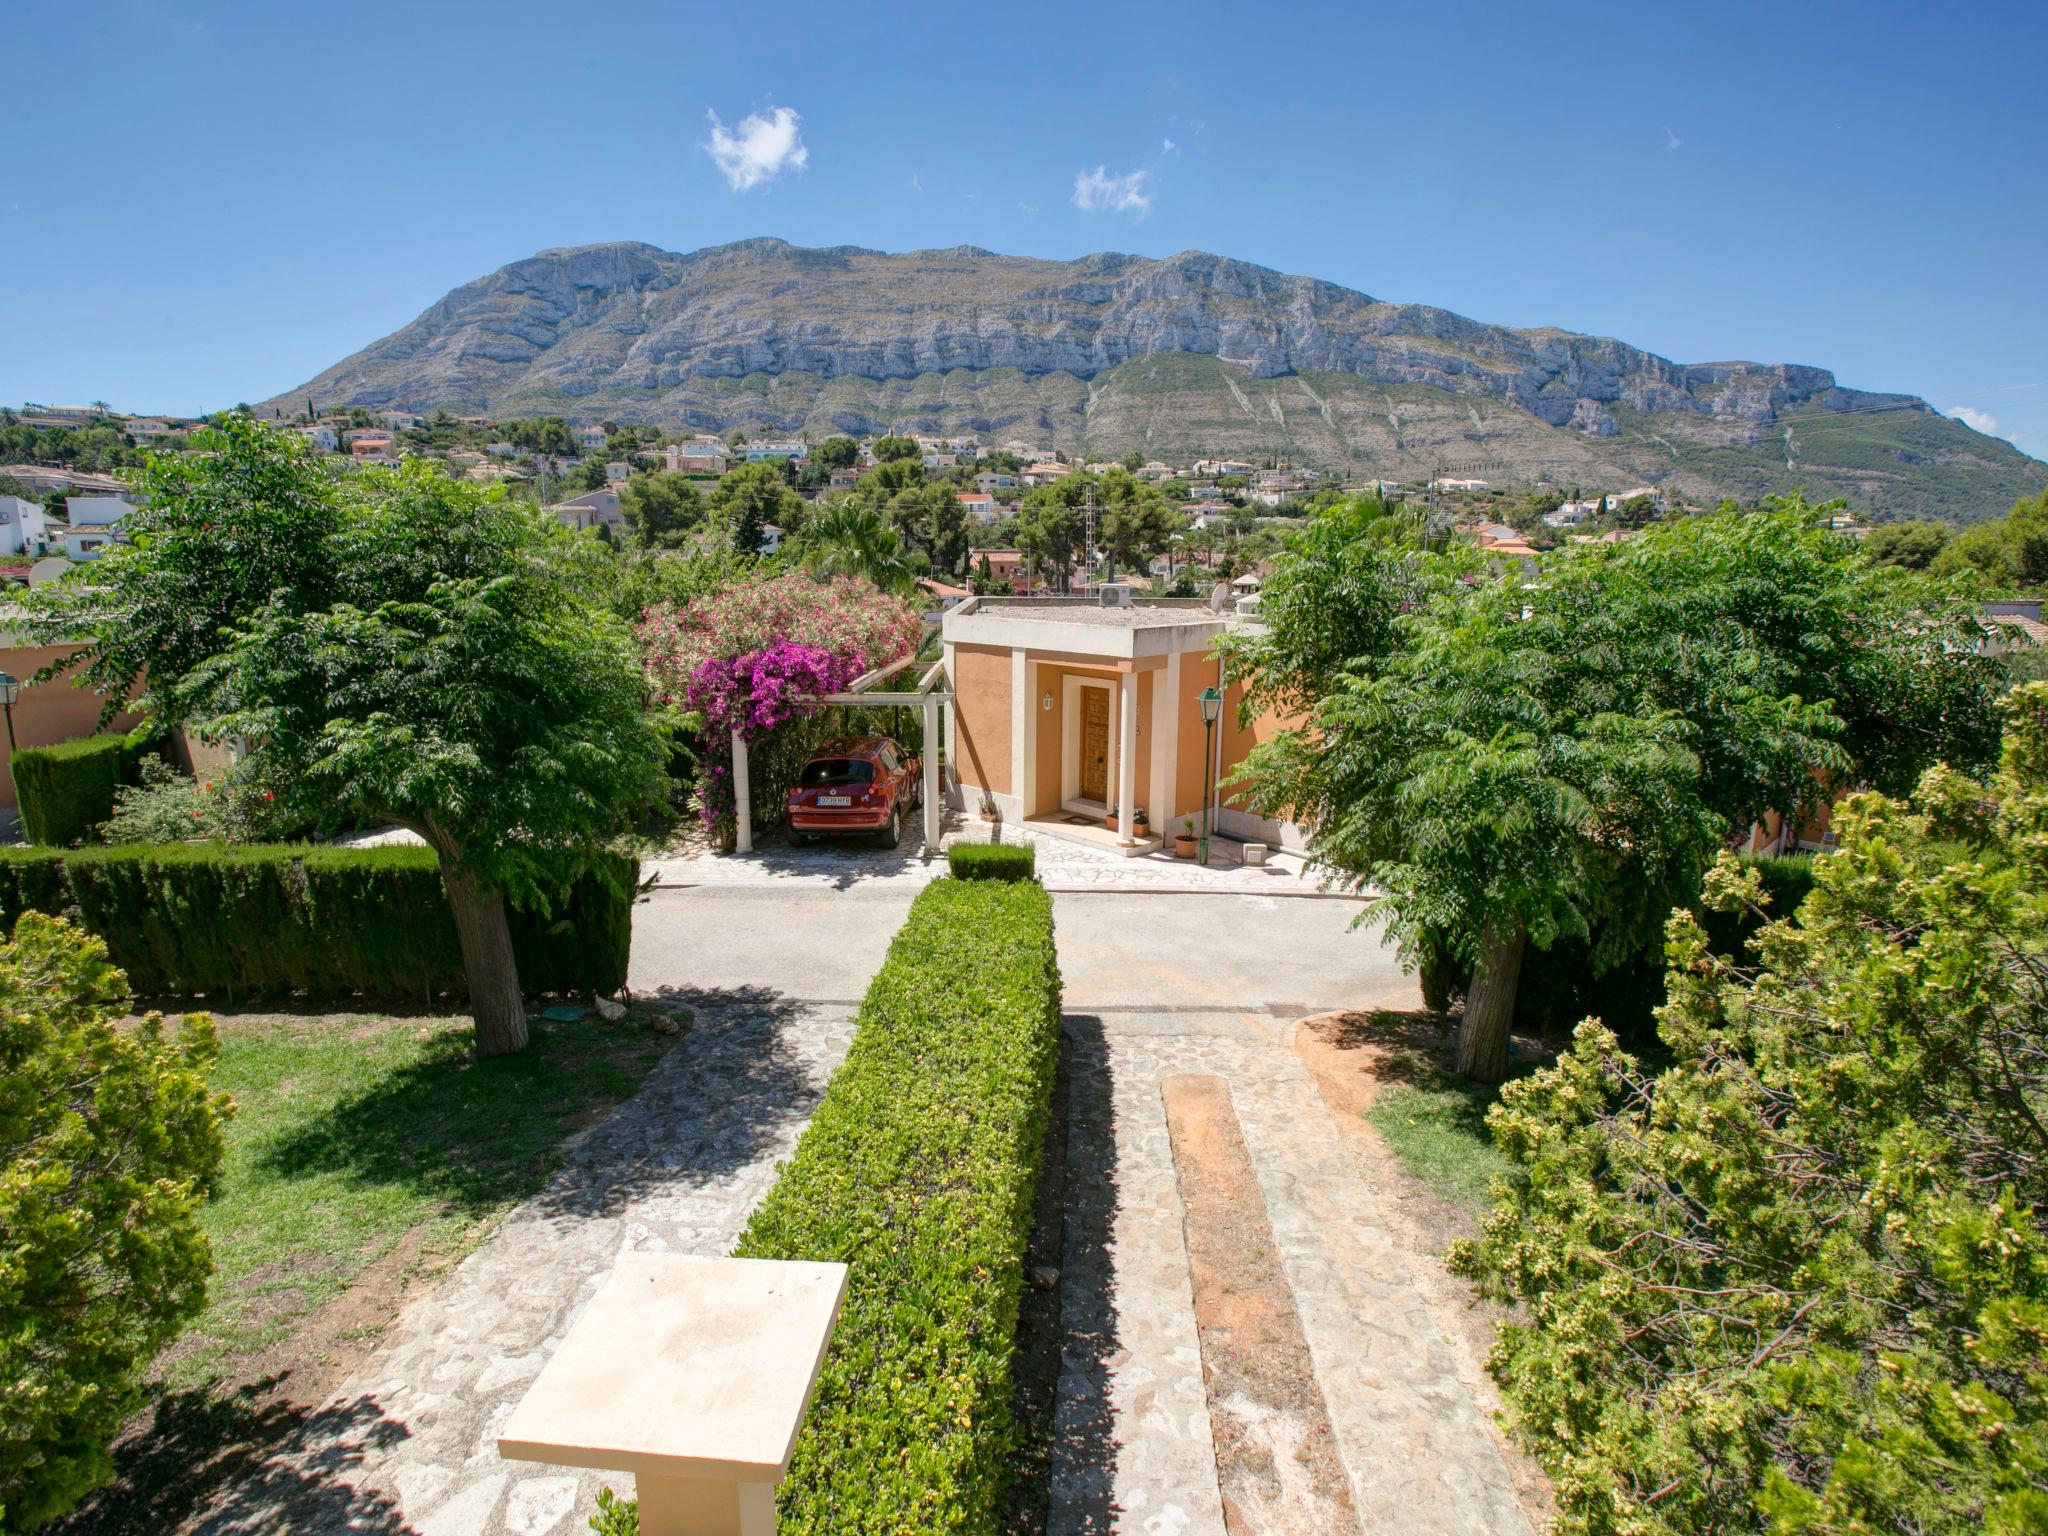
(1066,710)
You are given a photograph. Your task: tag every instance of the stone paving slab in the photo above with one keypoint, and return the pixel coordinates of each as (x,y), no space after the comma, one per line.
(1133,1449)
(1063,865)
(410,1443)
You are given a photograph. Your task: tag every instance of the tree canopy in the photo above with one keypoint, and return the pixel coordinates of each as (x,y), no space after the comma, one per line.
(663,509)
(889,449)
(752,497)
(1796,1278)
(1507,764)
(384,643)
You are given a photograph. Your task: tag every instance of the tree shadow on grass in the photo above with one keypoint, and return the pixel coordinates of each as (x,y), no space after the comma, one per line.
(193,1445)
(475,1135)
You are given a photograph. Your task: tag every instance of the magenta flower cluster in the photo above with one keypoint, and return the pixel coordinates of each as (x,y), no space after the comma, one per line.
(760,690)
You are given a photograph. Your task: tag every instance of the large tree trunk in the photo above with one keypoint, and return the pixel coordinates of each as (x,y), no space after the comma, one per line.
(1490,1006)
(487,958)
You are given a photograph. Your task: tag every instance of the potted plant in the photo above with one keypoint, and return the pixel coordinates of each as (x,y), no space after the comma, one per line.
(1141,824)
(1109,818)
(988,807)
(1184,839)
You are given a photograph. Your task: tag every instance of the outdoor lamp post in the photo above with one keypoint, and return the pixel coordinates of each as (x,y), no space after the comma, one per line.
(1212,706)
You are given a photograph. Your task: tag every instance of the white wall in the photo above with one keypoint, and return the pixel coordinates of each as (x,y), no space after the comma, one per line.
(96,511)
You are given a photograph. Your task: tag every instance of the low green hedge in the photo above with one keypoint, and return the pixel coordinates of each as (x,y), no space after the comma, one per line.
(919,1171)
(992,861)
(66,790)
(366,923)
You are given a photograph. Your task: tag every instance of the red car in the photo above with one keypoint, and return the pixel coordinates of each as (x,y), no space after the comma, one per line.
(854,788)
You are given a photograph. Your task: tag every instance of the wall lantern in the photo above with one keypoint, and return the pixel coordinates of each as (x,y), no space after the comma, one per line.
(1045,701)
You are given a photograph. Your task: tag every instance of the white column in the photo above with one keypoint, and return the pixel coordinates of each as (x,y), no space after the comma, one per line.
(742,797)
(1020,723)
(931,773)
(1126,753)
(1027,787)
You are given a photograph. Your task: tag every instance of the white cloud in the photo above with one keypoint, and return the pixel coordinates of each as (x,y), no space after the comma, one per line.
(1672,140)
(1982,421)
(760,149)
(1129,193)
(1168,147)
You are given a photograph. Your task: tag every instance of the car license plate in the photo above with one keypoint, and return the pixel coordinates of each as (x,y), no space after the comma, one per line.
(835,800)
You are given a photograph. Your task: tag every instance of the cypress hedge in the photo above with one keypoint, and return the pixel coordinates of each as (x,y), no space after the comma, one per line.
(192,919)
(919,1171)
(992,861)
(66,790)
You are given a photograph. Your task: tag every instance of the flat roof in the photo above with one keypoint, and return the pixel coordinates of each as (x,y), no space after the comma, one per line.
(1144,613)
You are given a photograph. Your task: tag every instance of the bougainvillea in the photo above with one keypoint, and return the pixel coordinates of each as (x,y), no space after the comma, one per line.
(756,655)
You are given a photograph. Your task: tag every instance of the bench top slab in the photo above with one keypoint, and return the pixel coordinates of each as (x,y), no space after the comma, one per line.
(684,1366)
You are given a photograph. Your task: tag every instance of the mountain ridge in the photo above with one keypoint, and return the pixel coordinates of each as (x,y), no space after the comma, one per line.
(1188,353)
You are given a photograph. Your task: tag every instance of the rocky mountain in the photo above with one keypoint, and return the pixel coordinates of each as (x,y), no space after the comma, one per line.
(1175,357)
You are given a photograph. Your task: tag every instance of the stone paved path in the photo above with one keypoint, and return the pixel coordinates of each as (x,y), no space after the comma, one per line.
(410,1444)
(1063,865)
(1133,1449)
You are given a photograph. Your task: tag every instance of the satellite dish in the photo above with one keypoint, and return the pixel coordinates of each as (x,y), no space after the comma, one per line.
(1219,597)
(47,570)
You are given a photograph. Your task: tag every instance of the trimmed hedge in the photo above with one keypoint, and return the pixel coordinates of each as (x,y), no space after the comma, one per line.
(66,790)
(919,1171)
(992,861)
(188,919)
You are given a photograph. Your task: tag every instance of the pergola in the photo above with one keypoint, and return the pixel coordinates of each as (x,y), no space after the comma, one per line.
(927,696)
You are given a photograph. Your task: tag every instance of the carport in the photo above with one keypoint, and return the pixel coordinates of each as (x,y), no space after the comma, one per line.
(928,696)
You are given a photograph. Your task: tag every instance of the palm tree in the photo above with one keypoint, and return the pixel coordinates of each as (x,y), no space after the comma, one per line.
(849,540)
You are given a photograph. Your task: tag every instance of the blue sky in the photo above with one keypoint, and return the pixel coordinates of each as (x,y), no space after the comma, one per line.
(210,202)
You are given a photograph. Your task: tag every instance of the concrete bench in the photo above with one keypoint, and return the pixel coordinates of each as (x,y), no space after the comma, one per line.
(694,1375)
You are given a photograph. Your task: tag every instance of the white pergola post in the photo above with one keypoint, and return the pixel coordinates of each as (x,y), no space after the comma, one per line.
(742,797)
(932,790)
(1126,754)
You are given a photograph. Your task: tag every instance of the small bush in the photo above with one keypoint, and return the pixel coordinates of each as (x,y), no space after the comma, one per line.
(109,1139)
(372,924)
(992,861)
(66,790)
(919,1171)
(167,805)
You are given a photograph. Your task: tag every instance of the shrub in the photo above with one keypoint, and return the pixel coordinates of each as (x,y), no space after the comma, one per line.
(368,923)
(167,805)
(108,1141)
(992,861)
(919,1171)
(1798,1280)
(66,790)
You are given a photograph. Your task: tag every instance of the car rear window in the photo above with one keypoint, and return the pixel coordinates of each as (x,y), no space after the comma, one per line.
(822,771)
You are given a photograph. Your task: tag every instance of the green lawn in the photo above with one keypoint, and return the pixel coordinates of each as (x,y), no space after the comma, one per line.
(1436,1128)
(353,1130)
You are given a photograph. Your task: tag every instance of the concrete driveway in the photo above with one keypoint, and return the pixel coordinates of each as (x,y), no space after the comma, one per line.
(821,942)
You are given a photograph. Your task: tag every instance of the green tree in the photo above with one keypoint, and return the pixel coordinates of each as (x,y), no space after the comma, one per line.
(887,479)
(2011,553)
(1913,545)
(889,449)
(1051,527)
(751,498)
(836,453)
(400,646)
(109,1142)
(1795,1278)
(663,509)
(1525,765)
(541,434)
(1135,520)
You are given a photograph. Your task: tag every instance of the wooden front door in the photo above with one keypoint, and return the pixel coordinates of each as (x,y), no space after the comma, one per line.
(1095,744)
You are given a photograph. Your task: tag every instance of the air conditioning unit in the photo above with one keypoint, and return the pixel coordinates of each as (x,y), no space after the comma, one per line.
(1113,594)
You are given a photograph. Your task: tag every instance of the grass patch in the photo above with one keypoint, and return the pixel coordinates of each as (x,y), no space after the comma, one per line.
(352,1131)
(1436,1128)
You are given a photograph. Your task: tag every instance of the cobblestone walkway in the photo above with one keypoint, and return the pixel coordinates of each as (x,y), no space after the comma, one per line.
(1134,1449)
(410,1444)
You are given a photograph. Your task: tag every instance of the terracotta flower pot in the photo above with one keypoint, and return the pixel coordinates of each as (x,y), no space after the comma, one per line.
(1183,847)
